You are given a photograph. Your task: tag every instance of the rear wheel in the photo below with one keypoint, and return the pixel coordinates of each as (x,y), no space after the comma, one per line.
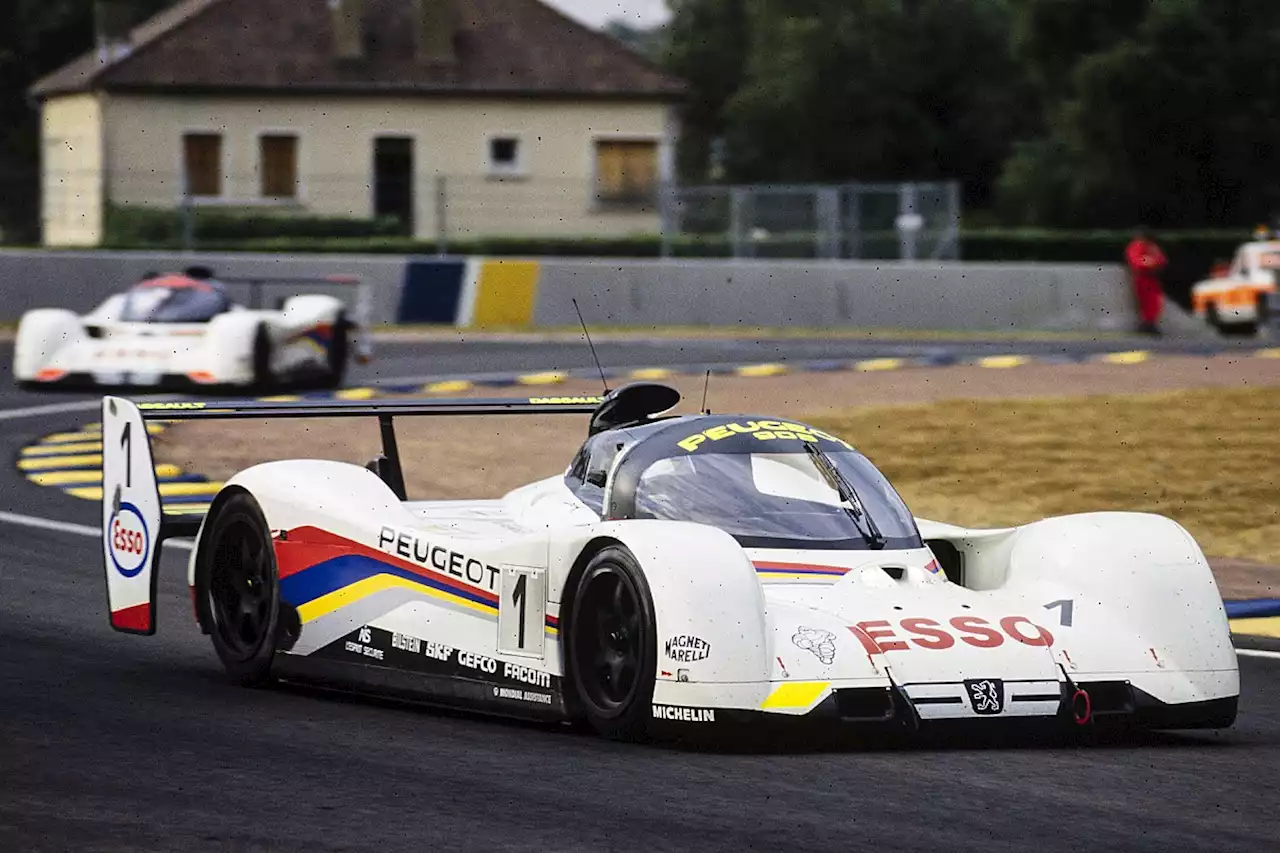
(612,646)
(1211,315)
(238,590)
(339,352)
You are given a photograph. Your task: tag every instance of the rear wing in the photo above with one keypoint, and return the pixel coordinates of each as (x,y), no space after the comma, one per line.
(134,524)
(361,305)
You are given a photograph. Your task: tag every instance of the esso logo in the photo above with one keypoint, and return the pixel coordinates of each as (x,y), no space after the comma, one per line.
(128,540)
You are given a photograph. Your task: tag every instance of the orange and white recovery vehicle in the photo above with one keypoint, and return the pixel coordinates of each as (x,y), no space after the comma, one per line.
(1236,298)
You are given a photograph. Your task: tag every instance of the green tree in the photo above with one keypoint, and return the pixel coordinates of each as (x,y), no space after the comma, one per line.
(649,42)
(840,90)
(708,43)
(1050,36)
(1175,122)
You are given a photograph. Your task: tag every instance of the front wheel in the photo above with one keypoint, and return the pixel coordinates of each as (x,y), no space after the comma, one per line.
(238,591)
(612,649)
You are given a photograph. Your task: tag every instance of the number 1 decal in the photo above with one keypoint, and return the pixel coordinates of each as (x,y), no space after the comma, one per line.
(518,599)
(126,441)
(522,611)
(1067,607)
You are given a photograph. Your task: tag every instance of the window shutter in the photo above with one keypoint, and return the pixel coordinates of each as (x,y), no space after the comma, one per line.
(279,166)
(202,159)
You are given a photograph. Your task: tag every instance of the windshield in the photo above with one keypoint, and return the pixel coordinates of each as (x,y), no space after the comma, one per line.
(174,299)
(777,500)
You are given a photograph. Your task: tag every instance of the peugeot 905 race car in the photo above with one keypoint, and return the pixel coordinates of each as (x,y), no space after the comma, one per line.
(684,571)
(1236,299)
(184,331)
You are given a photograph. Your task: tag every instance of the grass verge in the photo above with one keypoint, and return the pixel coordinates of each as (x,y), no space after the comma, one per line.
(1209,459)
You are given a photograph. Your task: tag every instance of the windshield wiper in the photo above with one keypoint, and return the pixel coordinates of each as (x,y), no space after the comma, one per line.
(851,502)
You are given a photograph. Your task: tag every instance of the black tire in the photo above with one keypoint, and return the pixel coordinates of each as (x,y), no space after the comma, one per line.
(339,352)
(1211,314)
(612,651)
(263,378)
(238,590)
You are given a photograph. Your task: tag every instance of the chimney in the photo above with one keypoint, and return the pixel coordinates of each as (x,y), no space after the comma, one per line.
(348,28)
(112,20)
(437,29)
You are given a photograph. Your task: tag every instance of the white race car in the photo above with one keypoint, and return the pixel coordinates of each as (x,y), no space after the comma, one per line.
(683,571)
(184,331)
(1236,298)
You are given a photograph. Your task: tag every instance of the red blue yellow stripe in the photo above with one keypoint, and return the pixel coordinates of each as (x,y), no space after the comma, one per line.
(321,572)
(804,571)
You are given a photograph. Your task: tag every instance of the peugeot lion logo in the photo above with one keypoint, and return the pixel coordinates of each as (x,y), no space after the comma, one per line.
(986,695)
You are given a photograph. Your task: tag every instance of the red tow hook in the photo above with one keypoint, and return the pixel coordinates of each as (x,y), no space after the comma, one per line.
(1081,708)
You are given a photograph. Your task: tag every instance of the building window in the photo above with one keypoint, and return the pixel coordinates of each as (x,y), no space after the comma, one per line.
(279,159)
(504,156)
(627,173)
(202,160)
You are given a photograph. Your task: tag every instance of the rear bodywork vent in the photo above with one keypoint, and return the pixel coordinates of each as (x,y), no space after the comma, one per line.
(1109,697)
(868,704)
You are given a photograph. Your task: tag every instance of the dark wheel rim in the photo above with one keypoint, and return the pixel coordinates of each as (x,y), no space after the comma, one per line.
(608,641)
(240,589)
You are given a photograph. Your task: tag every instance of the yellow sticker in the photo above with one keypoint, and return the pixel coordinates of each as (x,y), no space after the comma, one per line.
(763,431)
(565,401)
(155,407)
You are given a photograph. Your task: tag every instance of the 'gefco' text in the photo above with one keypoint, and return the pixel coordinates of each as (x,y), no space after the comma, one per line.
(411,546)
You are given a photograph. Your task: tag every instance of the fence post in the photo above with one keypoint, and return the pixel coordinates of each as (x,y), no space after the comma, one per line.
(667,213)
(953,230)
(852,222)
(442,215)
(827,237)
(909,222)
(188,223)
(737,198)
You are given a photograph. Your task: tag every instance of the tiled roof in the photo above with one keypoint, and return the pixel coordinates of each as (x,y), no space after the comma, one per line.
(503,47)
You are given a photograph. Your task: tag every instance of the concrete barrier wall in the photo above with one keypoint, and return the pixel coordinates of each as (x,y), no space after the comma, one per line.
(480,293)
(832,294)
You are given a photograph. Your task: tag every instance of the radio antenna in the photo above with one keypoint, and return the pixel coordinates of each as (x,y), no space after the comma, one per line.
(587,335)
(706,386)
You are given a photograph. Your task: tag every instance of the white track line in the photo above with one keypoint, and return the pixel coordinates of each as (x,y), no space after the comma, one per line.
(76,529)
(1258,653)
(51,409)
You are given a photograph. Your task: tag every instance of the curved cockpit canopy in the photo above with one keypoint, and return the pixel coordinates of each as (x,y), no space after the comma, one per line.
(768,483)
(191,297)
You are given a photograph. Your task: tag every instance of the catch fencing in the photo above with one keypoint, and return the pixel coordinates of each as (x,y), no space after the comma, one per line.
(907,221)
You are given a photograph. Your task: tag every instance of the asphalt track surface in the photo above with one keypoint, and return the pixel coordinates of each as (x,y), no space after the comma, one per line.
(441,359)
(118,743)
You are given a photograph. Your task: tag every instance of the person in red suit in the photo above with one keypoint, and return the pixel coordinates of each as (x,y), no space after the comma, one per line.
(1145,261)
